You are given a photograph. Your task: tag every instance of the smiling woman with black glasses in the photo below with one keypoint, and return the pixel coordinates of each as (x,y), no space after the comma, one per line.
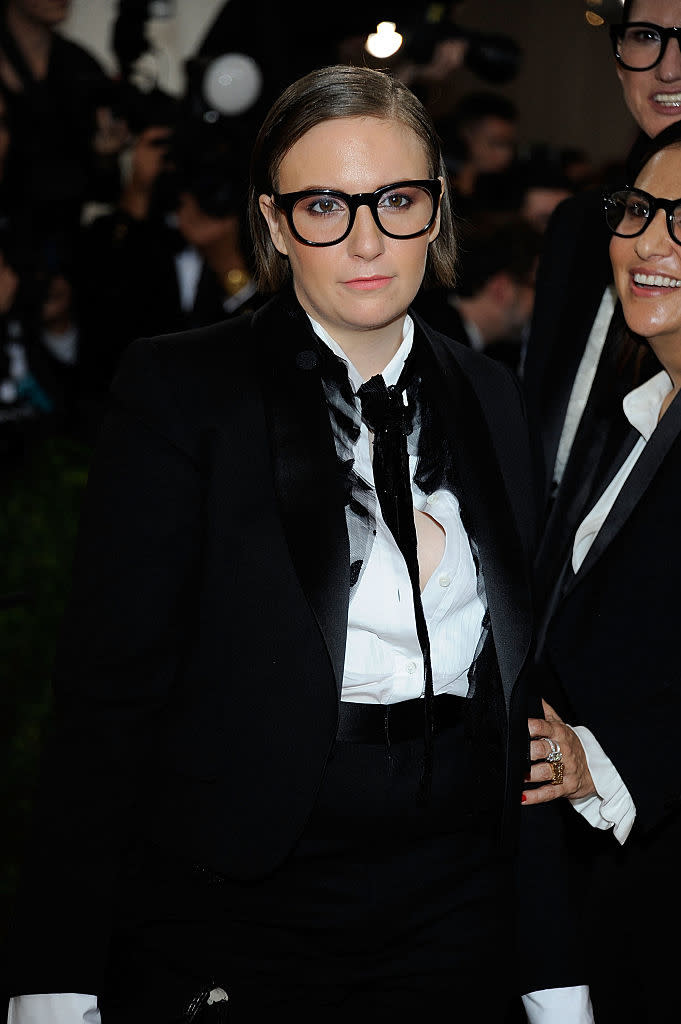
(291,697)
(609,663)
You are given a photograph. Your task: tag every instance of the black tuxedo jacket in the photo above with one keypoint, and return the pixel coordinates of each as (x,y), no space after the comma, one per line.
(610,655)
(573,273)
(199,673)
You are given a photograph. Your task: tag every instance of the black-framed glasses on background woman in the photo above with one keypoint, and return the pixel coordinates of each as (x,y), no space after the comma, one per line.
(324,216)
(629,211)
(640,45)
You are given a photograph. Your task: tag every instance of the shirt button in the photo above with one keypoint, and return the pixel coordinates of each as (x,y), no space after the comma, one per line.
(411,667)
(431,499)
(445,580)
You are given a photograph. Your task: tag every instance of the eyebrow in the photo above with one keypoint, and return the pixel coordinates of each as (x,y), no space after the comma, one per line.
(344,191)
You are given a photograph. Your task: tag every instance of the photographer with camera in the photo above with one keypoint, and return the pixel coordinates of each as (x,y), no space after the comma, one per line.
(173,252)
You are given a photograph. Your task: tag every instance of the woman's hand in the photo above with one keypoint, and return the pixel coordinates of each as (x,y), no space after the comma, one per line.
(577,781)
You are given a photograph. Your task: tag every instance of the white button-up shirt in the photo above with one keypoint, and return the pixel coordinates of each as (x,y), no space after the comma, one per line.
(383,661)
(612,806)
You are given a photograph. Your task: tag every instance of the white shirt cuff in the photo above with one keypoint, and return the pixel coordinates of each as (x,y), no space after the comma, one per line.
(612,806)
(54,1008)
(559,1006)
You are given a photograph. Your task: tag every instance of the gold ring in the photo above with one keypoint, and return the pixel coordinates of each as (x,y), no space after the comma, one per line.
(557,767)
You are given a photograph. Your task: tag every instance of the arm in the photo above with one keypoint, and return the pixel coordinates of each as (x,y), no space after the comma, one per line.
(590,780)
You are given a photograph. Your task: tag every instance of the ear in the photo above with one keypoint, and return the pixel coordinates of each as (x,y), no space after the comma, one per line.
(435,230)
(273,219)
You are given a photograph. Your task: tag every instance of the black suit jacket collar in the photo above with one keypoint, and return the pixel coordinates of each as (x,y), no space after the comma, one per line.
(569,291)
(634,488)
(310,485)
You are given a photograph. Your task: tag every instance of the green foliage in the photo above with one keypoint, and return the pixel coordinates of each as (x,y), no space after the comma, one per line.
(40,498)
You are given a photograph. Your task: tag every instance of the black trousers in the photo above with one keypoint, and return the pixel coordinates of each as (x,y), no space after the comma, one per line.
(631,896)
(386,907)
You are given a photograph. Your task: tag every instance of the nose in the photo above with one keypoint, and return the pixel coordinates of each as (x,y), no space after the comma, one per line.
(366,238)
(669,68)
(655,240)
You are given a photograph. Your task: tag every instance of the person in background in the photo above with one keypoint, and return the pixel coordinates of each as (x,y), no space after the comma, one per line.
(490,307)
(542,185)
(291,717)
(174,253)
(608,661)
(575,370)
(480,138)
(67,132)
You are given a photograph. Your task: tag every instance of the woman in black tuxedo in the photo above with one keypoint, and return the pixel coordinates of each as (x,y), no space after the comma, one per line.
(609,659)
(291,718)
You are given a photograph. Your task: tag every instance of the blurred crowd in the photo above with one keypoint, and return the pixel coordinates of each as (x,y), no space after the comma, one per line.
(122,214)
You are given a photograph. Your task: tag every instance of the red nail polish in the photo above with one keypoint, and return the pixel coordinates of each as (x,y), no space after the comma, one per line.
(523,798)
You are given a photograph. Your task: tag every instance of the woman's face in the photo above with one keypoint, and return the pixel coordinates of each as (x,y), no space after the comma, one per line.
(653,310)
(367,281)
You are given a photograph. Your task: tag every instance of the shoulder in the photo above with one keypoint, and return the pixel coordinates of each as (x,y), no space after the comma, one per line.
(199,359)
(72,61)
(182,385)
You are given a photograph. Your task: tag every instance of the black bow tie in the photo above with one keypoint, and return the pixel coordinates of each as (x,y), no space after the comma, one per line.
(385,413)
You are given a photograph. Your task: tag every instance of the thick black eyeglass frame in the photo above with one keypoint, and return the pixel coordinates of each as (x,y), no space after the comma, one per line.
(287,200)
(617,31)
(668,205)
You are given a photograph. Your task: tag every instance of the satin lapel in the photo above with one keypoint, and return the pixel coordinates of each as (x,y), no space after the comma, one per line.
(554,566)
(485,499)
(643,472)
(308,483)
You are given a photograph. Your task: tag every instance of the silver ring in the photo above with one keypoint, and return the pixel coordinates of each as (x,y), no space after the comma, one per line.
(555,754)
(555,759)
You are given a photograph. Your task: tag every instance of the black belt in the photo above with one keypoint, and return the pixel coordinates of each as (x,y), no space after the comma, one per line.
(381,723)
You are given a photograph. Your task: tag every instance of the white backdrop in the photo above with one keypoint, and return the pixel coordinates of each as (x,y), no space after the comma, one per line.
(90,23)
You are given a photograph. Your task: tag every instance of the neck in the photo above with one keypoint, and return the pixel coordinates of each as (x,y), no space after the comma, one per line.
(488,320)
(224,253)
(33,39)
(668,351)
(371,351)
(465,180)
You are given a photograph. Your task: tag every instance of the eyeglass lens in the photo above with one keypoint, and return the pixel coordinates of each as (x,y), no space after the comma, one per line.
(641,46)
(629,214)
(402,211)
